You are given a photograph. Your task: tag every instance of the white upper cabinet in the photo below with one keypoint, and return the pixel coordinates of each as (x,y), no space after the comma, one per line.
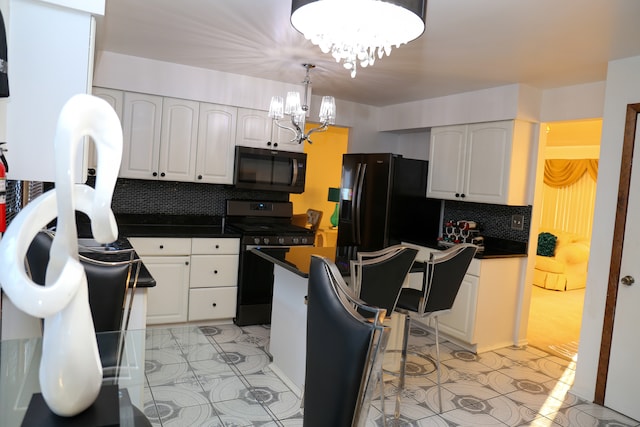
(115,99)
(174,139)
(482,162)
(256,129)
(446,162)
(216,142)
(178,140)
(141,130)
(282,140)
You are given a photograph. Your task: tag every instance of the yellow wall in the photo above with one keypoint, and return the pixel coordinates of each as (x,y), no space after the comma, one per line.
(324,169)
(580,132)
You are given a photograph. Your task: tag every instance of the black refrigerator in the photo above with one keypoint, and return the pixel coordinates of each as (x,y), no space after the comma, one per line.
(383,202)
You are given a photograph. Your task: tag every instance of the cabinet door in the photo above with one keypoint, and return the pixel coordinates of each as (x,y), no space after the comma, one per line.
(216,142)
(282,140)
(141,147)
(168,301)
(460,322)
(446,162)
(115,99)
(254,128)
(178,140)
(488,162)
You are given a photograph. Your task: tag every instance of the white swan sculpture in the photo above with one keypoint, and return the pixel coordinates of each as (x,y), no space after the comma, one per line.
(70,368)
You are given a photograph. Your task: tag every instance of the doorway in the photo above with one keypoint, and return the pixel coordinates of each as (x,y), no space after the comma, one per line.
(568,200)
(324,171)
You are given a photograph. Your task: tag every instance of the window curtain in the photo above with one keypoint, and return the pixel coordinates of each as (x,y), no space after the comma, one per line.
(564,172)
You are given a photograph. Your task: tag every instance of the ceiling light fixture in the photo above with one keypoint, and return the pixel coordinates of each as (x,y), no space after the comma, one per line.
(298,111)
(355,31)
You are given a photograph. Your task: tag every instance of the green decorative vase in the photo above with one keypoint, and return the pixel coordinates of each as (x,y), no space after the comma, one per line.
(335,216)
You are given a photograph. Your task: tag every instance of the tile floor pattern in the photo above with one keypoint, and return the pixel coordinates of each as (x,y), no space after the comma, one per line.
(219,376)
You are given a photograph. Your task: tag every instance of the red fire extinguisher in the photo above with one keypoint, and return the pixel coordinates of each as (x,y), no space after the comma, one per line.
(4,168)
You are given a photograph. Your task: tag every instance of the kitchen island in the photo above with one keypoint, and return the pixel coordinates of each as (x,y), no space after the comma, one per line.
(483,316)
(287,343)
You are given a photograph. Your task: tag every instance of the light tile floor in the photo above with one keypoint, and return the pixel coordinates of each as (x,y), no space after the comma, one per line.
(219,376)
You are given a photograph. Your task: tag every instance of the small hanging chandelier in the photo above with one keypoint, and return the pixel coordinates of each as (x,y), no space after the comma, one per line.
(298,111)
(356,31)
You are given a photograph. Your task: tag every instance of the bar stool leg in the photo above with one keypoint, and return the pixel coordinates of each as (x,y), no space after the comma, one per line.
(438,365)
(384,412)
(403,363)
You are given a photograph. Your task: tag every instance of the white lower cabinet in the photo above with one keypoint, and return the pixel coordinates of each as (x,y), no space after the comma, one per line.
(214,277)
(460,322)
(168,301)
(484,314)
(196,278)
(168,260)
(209,271)
(212,303)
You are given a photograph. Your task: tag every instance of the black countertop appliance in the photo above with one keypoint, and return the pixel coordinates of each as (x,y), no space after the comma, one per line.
(383,202)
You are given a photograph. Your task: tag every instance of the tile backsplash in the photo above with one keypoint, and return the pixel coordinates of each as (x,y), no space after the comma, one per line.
(133,196)
(494,220)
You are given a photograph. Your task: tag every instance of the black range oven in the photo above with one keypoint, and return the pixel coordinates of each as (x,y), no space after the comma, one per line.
(261,224)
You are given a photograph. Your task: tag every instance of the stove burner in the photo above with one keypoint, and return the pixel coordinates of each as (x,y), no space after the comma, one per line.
(266,227)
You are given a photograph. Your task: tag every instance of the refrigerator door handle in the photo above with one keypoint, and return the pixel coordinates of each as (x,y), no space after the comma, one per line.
(357,227)
(294,178)
(354,202)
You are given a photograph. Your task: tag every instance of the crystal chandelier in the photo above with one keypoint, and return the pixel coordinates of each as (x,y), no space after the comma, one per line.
(356,31)
(298,111)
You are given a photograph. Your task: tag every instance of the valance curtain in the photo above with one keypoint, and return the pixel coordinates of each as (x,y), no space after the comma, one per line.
(564,172)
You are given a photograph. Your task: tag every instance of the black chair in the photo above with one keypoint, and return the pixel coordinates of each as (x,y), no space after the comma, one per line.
(344,351)
(377,277)
(110,284)
(443,275)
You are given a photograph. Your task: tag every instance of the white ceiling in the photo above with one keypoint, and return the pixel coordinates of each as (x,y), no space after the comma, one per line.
(467,45)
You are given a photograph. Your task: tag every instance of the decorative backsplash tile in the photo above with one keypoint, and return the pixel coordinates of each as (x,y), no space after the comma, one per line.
(133,196)
(494,220)
(19,193)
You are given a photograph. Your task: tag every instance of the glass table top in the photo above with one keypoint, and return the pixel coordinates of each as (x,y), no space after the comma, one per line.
(20,364)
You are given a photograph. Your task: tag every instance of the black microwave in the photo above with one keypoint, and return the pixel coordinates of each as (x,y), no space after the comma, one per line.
(270,170)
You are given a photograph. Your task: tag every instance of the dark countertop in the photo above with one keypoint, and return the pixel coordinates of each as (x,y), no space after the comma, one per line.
(493,248)
(139,225)
(296,259)
(136,225)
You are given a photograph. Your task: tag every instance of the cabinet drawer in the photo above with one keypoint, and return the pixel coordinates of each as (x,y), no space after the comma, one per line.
(161,245)
(213,303)
(214,246)
(213,270)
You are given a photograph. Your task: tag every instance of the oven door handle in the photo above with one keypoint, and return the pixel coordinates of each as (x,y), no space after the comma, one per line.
(247,248)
